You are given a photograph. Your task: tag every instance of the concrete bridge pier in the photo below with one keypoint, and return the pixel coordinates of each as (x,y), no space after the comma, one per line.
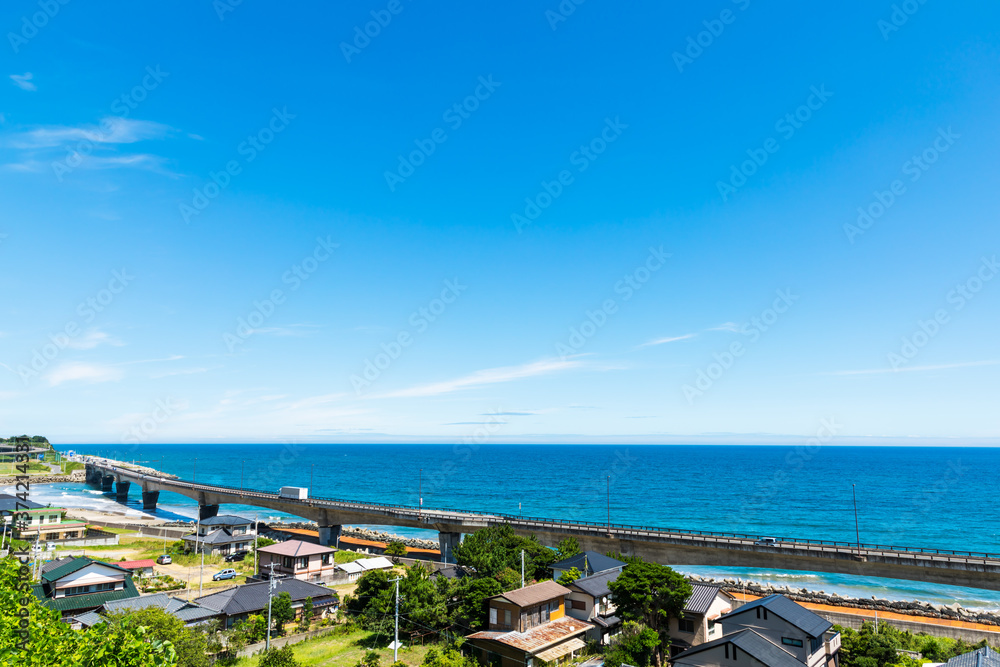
(93,475)
(329,536)
(448,542)
(149,499)
(107,483)
(207,511)
(121,490)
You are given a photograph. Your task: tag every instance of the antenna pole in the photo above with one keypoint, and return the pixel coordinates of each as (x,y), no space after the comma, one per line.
(395,643)
(857,529)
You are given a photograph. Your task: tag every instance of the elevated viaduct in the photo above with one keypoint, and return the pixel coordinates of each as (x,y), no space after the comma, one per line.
(663,545)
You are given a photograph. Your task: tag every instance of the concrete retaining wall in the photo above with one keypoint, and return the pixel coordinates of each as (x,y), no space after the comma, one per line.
(968,634)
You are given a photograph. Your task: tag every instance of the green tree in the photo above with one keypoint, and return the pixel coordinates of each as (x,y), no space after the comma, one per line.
(472,594)
(395,549)
(567,548)
(281,611)
(245,632)
(307,613)
(869,647)
(650,593)
(370,659)
(372,599)
(103,645)
(446,656)
(491,551)
(569,576)
(634,645)
(278,657)
(191,644)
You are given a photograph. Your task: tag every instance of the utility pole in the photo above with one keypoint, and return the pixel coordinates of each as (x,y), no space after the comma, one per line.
(256,531)
(522,568)
(609,505)
(270,591)
(857,529)
(201,574)
(395,643)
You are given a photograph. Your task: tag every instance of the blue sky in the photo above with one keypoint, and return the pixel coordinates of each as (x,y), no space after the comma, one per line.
(521,223)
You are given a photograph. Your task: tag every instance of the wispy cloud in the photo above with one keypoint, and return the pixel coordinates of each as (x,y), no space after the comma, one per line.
(113,130)
(173,357)
(83,372)
(508,414)
(487,377)
(290,330)
(669,339)
(185,371)
(23,81)
(915,369)
(91,339)
(726,326)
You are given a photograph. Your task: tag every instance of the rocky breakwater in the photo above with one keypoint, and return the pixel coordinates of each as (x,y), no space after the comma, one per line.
(954,612)
(381,536)
(362,534)
(77,476)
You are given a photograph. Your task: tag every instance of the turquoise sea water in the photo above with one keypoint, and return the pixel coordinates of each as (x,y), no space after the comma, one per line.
(940,497)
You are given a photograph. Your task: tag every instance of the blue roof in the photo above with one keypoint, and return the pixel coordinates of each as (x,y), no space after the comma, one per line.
(809,622)
(750,643)
(982,657)
(226,520)
(588,562)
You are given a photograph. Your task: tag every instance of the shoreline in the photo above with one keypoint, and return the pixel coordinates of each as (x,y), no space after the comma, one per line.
(103,510)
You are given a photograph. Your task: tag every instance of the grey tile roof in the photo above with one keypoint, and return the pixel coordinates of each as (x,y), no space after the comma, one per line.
(452,572)
(53,564)
(701,599)
(226,520)
(89,619)
(750,643)
(811,623)
(189,612)
(250,598)
(596,585)
(983,657)
(588,562)
(182,609)
(221,536)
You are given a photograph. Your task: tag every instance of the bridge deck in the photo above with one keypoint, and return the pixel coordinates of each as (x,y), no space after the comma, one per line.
(413,516)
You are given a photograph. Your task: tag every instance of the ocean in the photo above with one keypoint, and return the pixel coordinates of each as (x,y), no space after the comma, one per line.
(931,497)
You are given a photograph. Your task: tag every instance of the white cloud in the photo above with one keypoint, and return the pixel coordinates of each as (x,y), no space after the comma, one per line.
(486,377)
(726,326)
(186,371)
(83,372)
(112,130)
(23,81)
(915,369)
(662,341)
(91,339)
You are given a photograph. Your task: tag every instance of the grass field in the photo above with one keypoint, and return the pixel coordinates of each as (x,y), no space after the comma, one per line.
(345,650)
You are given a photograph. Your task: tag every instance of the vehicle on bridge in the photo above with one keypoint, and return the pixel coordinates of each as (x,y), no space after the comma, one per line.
(767,542)
(294,492)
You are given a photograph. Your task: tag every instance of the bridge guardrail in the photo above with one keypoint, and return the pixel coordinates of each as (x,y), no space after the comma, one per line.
(527,521)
